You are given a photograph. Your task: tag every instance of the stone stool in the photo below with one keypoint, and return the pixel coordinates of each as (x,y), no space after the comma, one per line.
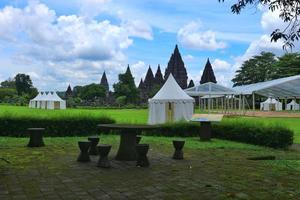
(142,150)
(36,137)
(138,139)
(178,145)
(93,148)
(84,155)
(103,150)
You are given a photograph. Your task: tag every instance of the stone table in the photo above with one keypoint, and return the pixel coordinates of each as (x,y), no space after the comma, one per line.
(128,133)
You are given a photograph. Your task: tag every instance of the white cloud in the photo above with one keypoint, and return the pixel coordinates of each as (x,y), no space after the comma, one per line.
(188,58)
(138,71)
(190,36)
(220,65)
(92,8)
(68,48)
(138,28)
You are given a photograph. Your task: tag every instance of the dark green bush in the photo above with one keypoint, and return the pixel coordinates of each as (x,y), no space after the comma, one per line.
(54,127)
(181,129)
(253,133)
(274,136)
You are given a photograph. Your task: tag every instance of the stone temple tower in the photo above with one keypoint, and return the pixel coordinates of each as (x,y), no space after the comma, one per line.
(177,68)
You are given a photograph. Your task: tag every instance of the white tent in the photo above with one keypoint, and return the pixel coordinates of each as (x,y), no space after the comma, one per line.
(170,104)
(271,105)
(293,105)
(47,100)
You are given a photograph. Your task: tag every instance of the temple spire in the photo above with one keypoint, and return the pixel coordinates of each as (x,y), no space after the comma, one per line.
(208,74)
(69,91)
(159,80)
(177,68)
(104,81)
(141,85)
(191,83)
(149,79)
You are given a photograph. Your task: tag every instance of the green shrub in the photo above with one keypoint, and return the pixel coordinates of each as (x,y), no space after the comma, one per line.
(181,129)
(274,136)
(11,126)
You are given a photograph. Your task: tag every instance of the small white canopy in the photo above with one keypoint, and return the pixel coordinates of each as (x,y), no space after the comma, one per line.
(47,100)
(271,105)
(293,105)
(170,103)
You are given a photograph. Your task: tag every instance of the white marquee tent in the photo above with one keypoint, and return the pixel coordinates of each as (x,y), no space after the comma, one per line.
(293,105)
(47,100)
(170,103)
(271,105)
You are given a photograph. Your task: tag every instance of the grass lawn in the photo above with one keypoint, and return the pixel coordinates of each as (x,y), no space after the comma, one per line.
(131,116)
(211,170)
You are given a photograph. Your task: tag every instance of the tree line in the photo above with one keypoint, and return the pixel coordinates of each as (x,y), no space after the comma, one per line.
(267,66)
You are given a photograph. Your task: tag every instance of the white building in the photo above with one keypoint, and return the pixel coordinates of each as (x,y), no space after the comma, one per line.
(170,104)
(47,100)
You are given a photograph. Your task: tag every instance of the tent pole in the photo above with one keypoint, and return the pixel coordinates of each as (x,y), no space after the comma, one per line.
(253,103)
(199,103)
(240,103)
(285,102)
(209,104)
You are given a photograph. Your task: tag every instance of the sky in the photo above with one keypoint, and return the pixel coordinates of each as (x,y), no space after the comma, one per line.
(73,42)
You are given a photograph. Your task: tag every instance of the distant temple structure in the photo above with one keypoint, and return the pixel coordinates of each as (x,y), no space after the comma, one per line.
(208,74)
(149,81)
(159,80)
(191,84)
(104,82)
(177,68)
(69,92)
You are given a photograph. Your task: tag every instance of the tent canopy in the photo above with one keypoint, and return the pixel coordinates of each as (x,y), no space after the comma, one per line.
(281,88)
(209,89)
(171,92)
(47,96)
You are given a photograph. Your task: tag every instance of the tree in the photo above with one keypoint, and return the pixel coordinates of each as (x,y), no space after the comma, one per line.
(126,87)
(91,92)
(257,69)
(287,65)
(23,84)
(9,83)
(289,12)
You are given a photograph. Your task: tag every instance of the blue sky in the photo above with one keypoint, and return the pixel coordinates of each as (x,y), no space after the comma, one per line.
(73,42)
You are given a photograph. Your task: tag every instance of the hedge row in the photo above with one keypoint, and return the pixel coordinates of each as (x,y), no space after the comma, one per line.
(253,133)
(274,136)
(53,127)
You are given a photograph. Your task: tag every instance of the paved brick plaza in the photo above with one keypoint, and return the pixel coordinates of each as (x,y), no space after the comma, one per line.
(52,172)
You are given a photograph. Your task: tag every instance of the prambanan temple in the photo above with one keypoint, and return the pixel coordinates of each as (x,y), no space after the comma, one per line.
(153,82)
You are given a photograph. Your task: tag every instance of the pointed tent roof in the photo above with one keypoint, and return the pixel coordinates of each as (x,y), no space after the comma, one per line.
(208,74)
(171,92)
(47,96)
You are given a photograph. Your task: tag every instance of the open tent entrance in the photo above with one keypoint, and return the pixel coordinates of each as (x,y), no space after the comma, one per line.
(169,112)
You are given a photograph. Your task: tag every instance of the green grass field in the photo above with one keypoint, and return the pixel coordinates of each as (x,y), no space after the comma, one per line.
(139,116)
